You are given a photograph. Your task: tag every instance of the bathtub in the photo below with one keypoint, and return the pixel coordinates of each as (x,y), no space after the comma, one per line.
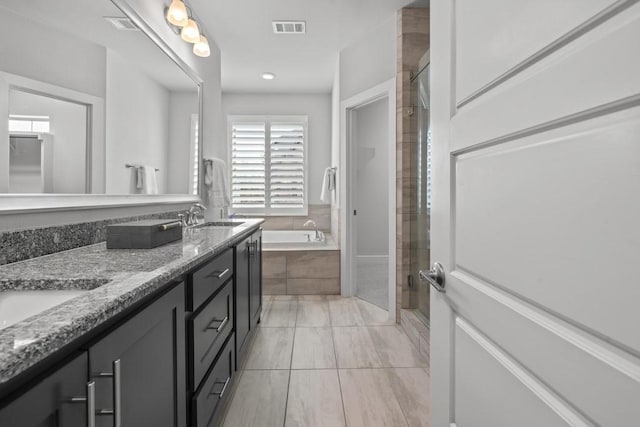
(295,240)
(294,265)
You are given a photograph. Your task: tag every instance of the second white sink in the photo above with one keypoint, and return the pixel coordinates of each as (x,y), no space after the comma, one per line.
(16,306)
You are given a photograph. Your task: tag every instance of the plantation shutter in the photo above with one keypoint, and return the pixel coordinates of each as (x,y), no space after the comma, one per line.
(248,178)
(268,164)
(287,174)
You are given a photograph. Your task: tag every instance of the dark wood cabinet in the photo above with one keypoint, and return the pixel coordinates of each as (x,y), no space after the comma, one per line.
(170,361)
(248,291)
(255,278)
(139,368)
(58,400)
(208,402)
(242,296)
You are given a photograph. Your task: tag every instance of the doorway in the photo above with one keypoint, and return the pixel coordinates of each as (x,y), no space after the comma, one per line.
(369,131)
(368,196)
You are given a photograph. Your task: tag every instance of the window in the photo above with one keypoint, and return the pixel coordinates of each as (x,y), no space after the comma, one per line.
(268,164)
(34,124)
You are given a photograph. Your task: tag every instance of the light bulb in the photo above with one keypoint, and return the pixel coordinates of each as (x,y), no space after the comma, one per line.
(177,14)
(268,76)
(201,48)
(190,33)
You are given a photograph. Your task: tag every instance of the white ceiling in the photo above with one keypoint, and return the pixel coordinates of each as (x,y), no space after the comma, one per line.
(85,19)
(302,63)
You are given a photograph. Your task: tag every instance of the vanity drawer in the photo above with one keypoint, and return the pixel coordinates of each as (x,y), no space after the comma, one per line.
(209,278)
(210,328)
(208,402)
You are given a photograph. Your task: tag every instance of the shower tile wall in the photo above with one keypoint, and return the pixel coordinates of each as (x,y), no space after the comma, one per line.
(413,42)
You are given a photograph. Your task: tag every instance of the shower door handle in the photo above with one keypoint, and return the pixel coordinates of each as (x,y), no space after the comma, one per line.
(435,276)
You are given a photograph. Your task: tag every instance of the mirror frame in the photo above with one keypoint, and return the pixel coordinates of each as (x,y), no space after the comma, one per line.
(33,203)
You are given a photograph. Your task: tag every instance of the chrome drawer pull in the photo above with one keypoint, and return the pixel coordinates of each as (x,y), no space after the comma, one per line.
(218,328)
(91,403)
(224,388)
(219,275)
(117,394)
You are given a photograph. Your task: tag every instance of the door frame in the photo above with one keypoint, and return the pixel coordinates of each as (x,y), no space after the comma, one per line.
(383,90)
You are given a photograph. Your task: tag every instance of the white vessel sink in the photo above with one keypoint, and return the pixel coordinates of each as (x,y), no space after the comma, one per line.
(16,306)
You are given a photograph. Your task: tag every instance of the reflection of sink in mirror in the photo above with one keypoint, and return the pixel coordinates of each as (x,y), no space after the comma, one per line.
(16,306)
(220,224)
(90,100)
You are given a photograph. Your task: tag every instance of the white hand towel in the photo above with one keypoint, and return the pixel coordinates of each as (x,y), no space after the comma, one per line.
(325,194)
(208,172)
(149,182)
(218,192)
(139,178)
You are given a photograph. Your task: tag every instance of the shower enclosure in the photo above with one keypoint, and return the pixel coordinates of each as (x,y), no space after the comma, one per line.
(421,197)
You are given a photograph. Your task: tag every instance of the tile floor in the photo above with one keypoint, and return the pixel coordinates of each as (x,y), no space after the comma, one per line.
(330,361)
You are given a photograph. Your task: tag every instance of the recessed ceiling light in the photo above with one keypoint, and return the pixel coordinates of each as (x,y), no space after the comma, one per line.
(268,76)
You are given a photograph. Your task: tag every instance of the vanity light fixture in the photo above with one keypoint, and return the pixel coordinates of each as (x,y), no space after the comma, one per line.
(190,33)
(201,48)
(268,76)
(180,19)
(177,14)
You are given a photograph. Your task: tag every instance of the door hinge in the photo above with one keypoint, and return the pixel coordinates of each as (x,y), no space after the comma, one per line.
(410,110)
(410,281)
(354,212)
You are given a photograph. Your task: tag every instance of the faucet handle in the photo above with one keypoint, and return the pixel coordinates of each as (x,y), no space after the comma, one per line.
(181,217)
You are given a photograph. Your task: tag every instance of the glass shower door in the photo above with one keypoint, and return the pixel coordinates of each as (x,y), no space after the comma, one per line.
(421,197)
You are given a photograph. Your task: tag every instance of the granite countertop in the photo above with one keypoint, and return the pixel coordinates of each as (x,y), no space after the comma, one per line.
(115,278)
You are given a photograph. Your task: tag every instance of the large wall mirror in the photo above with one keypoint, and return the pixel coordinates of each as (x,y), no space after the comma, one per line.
(92,105)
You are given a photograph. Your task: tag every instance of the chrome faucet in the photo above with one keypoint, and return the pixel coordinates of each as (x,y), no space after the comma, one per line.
(192,214)
(313,223)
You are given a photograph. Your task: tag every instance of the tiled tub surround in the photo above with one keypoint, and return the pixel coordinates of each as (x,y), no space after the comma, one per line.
(299,268)
(26,244)
(120,278)
(301,272)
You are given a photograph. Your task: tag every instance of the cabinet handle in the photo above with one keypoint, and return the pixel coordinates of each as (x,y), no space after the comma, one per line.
(117,394)
(219,275)
(91,403)
(222,324)
(224,388)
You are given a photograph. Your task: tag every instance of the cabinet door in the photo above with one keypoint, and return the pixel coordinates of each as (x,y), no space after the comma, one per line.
(242,278)
(49,403)
(255,283)
(148,350)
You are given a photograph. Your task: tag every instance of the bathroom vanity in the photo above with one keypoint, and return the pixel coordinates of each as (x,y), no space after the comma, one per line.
(155,338)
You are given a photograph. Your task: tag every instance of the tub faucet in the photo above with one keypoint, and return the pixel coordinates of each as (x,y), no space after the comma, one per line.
(311,222)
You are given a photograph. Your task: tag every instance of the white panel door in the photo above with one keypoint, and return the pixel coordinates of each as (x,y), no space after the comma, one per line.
(536,212)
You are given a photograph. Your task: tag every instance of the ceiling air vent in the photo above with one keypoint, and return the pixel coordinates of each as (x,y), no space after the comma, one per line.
(121,23)
(289,27)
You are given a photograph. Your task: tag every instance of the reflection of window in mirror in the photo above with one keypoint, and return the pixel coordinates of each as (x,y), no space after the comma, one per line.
(48,137)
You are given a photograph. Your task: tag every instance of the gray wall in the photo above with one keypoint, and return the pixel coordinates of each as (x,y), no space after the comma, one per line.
(316,106)
(137,110)
(369,61)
